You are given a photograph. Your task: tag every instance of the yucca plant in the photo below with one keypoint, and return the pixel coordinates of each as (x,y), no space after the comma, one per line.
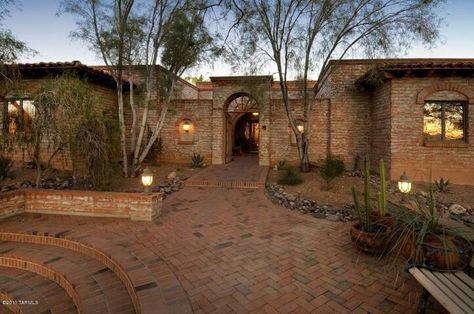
(442,185)
(197,161)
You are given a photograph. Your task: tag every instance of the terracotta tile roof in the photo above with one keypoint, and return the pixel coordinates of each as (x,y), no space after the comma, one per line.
(42,69)
(448,64)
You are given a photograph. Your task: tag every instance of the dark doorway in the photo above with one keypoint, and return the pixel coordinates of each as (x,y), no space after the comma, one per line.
(247,134)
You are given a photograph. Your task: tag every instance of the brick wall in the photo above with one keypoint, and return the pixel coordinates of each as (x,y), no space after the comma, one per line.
(408,151)
(380,128)
(348,112)
(135,206)
(106,102)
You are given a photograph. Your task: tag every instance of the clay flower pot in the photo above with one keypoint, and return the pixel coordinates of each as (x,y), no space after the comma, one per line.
(441,253)
(370,242)
(387,220)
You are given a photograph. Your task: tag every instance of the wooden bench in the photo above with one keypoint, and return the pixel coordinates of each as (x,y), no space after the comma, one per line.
(453,290)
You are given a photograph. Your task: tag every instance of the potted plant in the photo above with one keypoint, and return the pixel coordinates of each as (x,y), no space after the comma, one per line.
(382,216)
(428,243)
(368,235)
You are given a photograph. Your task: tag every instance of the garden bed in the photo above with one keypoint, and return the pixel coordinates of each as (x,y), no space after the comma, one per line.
(338,197)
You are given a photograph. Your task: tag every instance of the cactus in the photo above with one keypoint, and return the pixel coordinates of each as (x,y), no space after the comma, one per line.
(356,204)
(382,194)
(368,208)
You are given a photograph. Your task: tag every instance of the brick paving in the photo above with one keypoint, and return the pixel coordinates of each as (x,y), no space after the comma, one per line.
(222,250)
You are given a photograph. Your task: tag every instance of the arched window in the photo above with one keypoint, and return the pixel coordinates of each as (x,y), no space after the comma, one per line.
(242,103)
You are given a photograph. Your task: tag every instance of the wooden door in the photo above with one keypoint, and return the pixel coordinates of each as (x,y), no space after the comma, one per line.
(229,139)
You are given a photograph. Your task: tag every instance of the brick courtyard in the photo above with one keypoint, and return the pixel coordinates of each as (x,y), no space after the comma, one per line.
(215,250)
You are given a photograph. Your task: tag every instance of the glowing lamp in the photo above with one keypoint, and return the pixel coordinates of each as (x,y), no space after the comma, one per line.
(255,113)
(186,126)
(147,179)
(404,185)
(300,127)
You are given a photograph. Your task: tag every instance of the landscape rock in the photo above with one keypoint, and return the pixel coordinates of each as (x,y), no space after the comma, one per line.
(277,195)
(171,175)
(457,209)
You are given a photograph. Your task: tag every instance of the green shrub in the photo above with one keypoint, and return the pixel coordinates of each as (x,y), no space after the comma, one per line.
(442,185)
(290,177)
(281,164)
(5,166)
(197,161)
(332,168)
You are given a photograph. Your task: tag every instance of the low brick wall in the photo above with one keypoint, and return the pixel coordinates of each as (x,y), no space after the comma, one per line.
(136,206)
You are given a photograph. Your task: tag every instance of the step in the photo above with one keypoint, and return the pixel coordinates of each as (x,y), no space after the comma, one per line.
(22,285)
(99,289)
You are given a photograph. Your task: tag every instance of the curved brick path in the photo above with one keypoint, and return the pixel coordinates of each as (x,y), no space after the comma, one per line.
(231,250)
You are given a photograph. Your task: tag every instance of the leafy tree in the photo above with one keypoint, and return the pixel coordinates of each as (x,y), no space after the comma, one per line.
(298,36)
(184,44)
(107,25)
(11,48)
(67,117)
(131,36)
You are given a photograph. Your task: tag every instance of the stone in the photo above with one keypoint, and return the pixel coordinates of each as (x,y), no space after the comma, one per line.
(457,209)
(332,217)
(171,175)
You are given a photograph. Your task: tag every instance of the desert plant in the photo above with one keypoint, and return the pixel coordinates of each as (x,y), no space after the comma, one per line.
(427,242)
(197,161)
(382,194)
(281,164)
(332,168)
(5,167)
(442,185)
(290,177)
(363,213)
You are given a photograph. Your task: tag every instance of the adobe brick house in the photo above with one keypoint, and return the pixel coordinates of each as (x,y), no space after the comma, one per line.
(418,114)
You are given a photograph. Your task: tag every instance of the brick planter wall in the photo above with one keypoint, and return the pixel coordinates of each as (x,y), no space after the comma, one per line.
(136,206)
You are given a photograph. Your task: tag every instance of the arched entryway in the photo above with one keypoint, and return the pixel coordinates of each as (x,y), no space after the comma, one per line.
(242,126)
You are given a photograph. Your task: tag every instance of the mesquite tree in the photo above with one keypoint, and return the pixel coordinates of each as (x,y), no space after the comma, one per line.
(182,44)
(299,35)
(105,25)
(130,37)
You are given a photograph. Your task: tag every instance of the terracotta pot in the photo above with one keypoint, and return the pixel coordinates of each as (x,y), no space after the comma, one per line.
(442,253)
(370,242)
(387,220)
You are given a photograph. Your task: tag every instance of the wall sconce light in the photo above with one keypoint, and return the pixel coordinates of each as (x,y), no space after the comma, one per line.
(186,126)
(300,126)
(147,179)
(255,113)
(404,185)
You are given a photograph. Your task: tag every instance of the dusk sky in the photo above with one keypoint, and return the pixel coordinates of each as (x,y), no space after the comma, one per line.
(36,23)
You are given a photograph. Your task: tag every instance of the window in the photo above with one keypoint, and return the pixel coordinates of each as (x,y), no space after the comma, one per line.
(445,121)
(18,114)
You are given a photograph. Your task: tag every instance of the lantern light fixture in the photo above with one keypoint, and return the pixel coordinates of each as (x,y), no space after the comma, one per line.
(404,185)
(300,126)
(186,126)
(147,179)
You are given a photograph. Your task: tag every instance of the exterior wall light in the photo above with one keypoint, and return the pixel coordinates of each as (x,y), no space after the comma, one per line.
(300,126)
(147,179)
(186,126)
(255,113)
(404,185)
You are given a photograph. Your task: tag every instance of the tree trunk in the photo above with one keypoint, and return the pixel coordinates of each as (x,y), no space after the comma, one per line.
(133,131)
(157,128)
(36,157)
(123,139)
(138,145)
